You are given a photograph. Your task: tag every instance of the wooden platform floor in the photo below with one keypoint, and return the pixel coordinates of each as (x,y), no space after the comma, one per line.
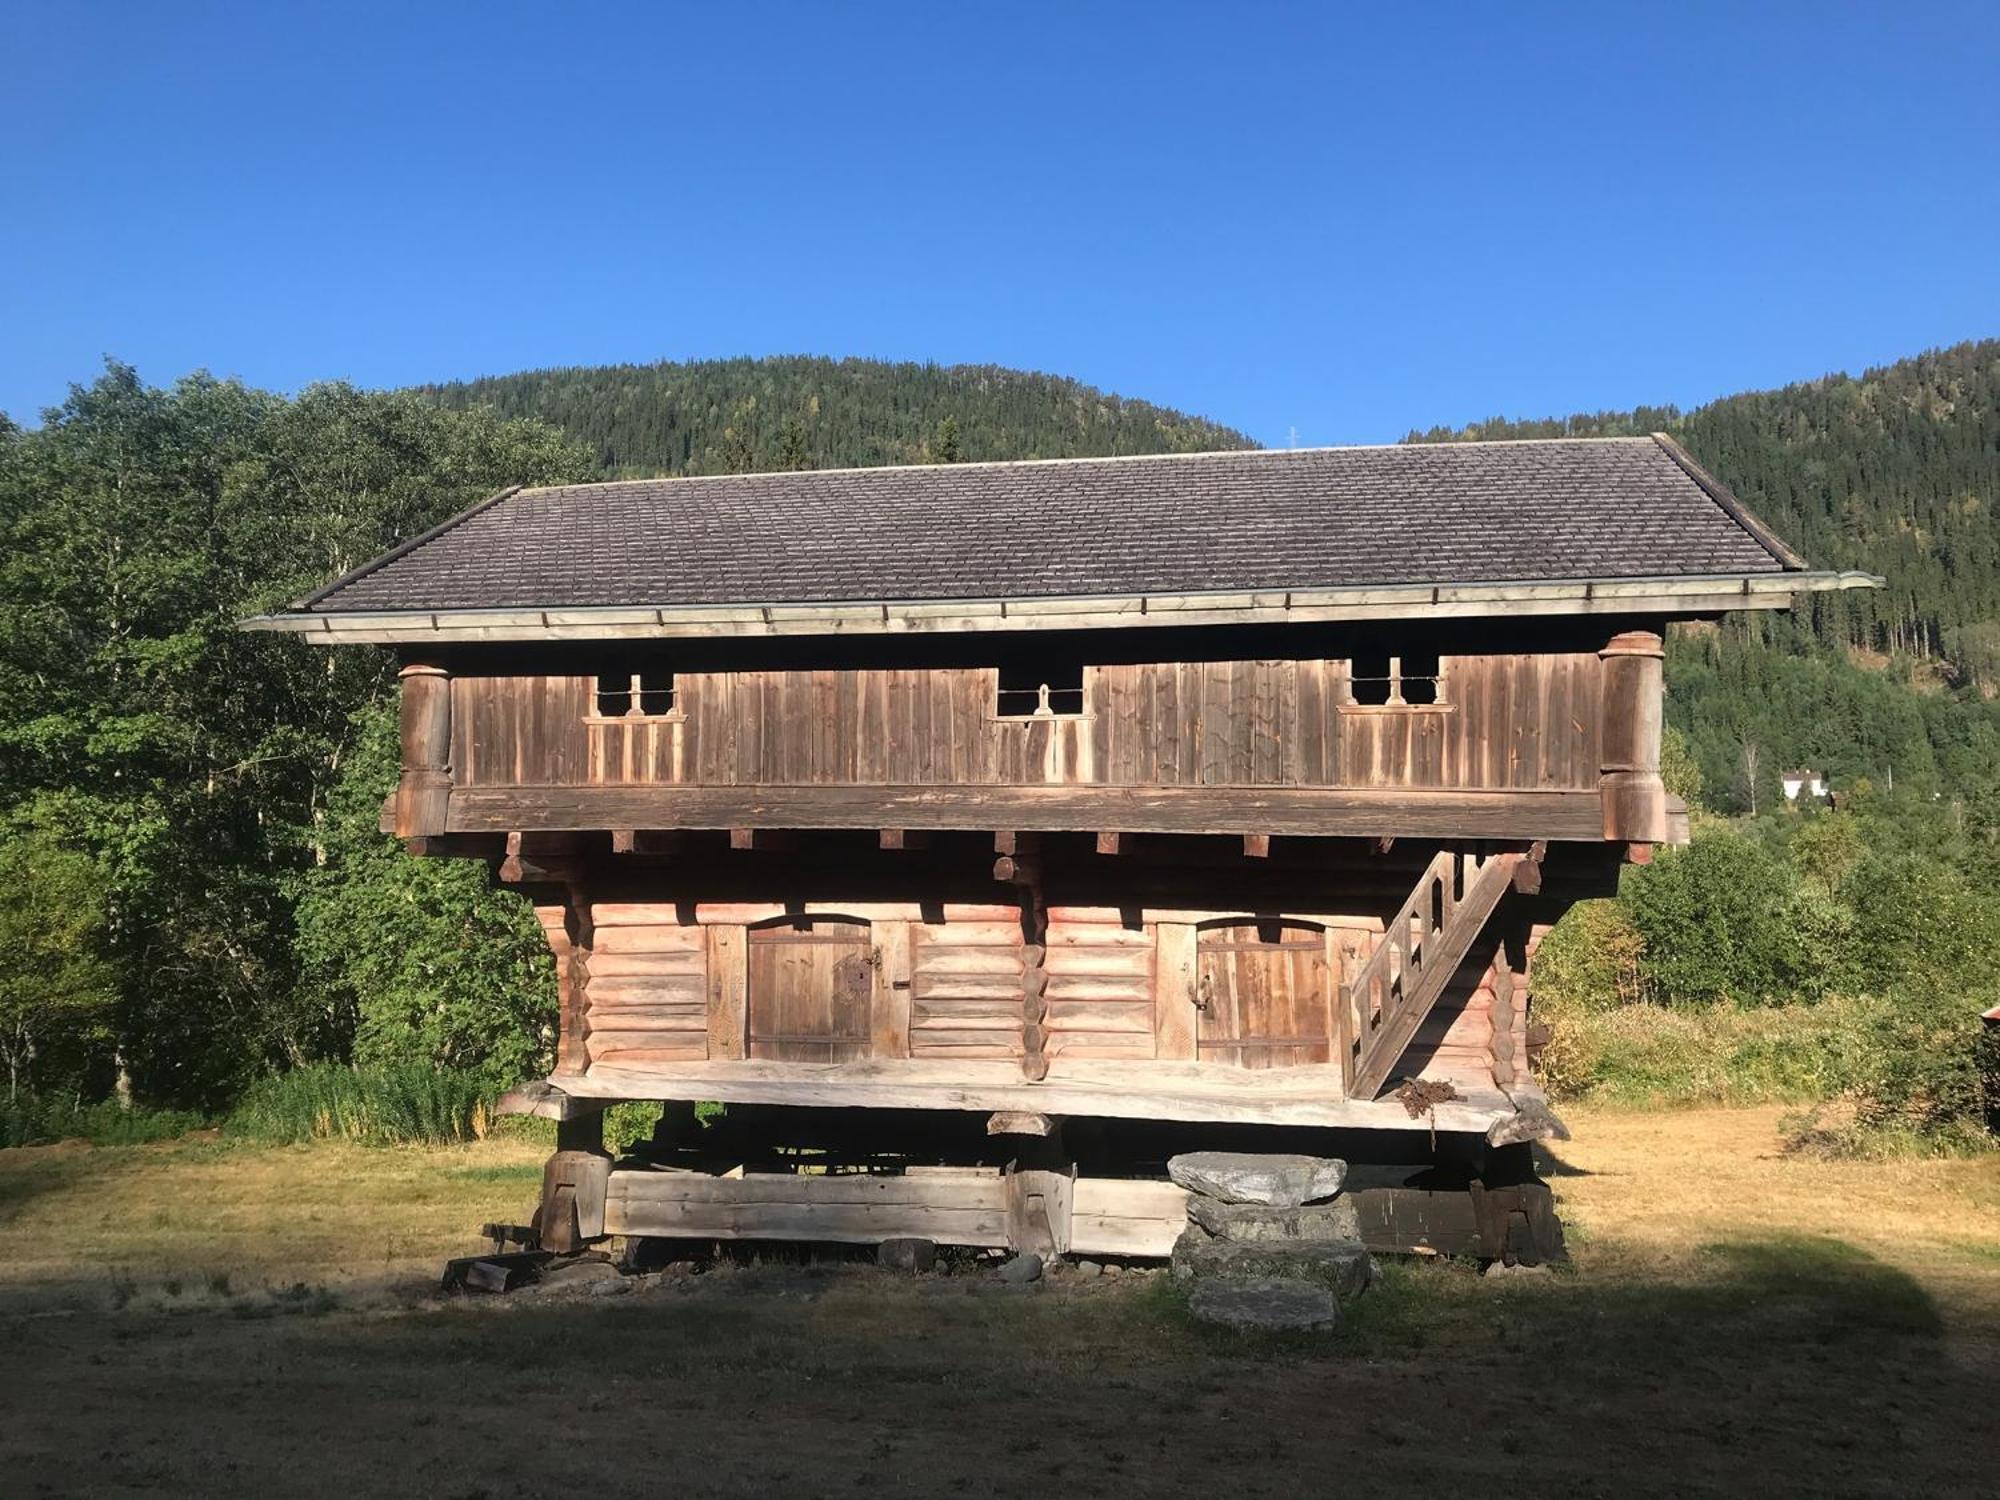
(1307,1096)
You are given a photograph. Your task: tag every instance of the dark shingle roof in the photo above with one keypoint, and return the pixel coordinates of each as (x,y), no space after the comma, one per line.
(1291,519)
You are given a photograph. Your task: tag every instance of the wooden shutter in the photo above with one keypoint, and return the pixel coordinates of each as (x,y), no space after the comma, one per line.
(1263,994)
(810,980)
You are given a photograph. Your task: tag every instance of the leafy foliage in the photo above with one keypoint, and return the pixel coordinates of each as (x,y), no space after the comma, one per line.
(387,1105)
(453,972)
(28,1119)
(57,989)
(193,763)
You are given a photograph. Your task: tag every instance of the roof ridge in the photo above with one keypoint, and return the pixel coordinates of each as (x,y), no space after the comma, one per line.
(404,548)
(1100,458)
(1760,530)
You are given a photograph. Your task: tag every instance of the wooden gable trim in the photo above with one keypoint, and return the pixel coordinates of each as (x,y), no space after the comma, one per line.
(1674,596)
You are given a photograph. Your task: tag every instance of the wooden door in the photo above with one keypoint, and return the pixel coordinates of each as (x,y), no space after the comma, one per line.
(809,986)
(1263,995)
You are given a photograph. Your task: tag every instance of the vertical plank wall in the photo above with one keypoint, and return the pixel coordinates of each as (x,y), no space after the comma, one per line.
(1505,722)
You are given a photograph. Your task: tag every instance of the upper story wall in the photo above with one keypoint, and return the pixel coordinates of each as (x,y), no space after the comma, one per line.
(1527,720)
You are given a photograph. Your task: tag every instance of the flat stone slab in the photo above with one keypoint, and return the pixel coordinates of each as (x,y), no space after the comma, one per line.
(1251,1221)
(1276,1181)
(1342,1266)
(1266,1305)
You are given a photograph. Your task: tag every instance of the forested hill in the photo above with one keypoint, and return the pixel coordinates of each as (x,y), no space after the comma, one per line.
(1896,471)
(729,416)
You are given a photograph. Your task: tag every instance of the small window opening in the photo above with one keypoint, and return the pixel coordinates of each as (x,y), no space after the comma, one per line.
(1394,681)
(1369,680)
(1040,689)
(647,694)
(1420,678)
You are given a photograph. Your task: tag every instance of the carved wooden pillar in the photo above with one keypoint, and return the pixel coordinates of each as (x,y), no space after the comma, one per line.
(425,789)
(566,924)
(1635,799)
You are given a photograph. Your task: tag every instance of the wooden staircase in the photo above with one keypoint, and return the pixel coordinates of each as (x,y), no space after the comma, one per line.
(1425,942)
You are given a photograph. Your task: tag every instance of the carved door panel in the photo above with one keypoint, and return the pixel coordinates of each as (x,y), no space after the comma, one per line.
(809,987)
(1263,994)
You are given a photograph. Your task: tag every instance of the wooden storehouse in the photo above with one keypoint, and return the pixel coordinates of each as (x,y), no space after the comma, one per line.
(978,833)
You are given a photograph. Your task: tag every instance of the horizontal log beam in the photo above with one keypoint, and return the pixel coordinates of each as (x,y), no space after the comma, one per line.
(1239,811)
(1124,1090)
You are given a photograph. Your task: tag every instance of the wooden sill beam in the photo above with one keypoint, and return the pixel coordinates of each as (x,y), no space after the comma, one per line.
(1159,1090)
(1317,812)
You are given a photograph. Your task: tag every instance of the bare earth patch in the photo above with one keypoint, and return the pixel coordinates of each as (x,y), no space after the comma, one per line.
(1737,1320)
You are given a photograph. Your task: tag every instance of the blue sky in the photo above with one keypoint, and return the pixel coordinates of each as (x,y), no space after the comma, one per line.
(1339,221)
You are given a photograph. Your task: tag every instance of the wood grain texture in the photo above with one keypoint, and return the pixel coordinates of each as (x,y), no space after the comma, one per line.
(1324,812)
(1528,720)
(1146,1090)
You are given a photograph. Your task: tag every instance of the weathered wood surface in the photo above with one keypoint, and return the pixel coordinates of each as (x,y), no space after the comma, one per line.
(1049,1212)
(1264,994)
(1126,1089)
(1422,947)
(422,794)
(1514,721)
(954,1208)
(1323,812)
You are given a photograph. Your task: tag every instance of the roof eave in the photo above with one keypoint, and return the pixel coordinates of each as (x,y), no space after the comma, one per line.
(1681,595)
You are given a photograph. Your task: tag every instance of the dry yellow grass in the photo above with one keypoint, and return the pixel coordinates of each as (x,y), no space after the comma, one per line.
(1643,1192)
(329,1212)
(1737,1321)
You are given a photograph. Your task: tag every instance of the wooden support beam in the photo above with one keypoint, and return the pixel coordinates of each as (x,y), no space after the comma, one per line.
(1110,843)
(539,857)
(1256,846)
(1634,798)
(1315,812)
(765,839)
(1020,1122)
(905,838)
(1639,854)
(1528,873)
(648,841)
(1385,843)
(489,846)
(423,795)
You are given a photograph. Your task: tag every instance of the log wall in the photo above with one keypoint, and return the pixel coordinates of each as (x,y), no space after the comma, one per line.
(662,983)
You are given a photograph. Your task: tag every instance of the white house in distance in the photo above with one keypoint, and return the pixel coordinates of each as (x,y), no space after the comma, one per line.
(1803,784)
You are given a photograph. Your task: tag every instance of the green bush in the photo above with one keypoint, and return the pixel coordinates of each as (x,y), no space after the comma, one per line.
(389,1105)
(1713,917)
(1651,1055)
(31,1120)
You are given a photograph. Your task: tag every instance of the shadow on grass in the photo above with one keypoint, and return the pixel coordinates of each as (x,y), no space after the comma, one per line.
(1767,1359)
(1801,1291)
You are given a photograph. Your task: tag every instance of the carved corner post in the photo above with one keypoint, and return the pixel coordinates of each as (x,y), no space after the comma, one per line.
(1041,1182)
(577,1177)
(1635,799)
(565,919)
(425,789)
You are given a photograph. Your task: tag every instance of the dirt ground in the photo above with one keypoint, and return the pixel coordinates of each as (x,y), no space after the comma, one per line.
(200,1318)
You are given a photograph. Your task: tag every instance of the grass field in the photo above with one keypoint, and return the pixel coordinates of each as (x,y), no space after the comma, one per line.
(198,1317)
